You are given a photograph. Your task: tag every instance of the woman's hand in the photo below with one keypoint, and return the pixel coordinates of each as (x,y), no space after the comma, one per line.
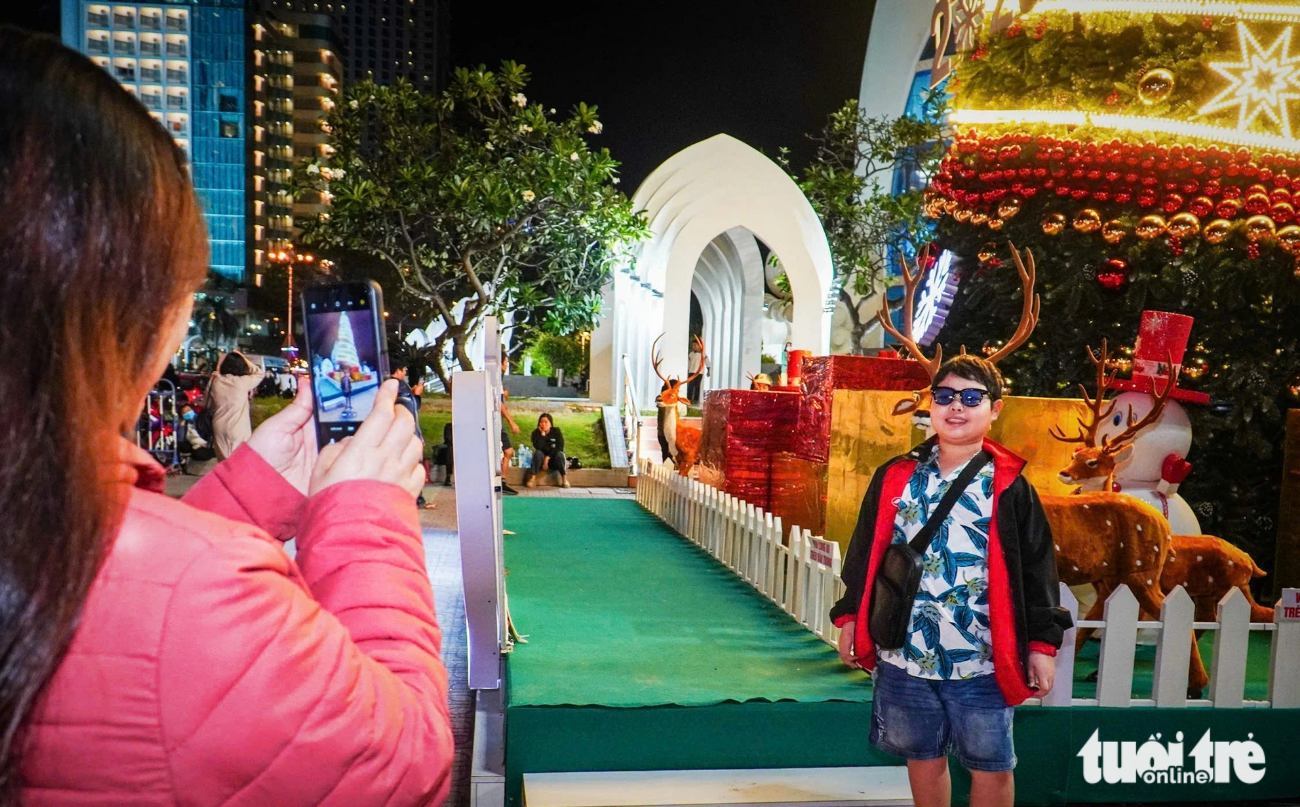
(845,645)
(384,449)
(546,463)
(1042,673)
(287,440)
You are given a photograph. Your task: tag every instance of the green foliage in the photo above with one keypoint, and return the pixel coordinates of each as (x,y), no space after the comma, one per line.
(1093,63)
(476,195)
(848,185)
(551,353)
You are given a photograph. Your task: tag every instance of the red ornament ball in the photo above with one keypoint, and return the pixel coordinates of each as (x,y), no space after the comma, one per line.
(1113,274)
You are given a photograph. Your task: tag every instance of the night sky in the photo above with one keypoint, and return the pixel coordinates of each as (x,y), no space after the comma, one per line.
(666,75)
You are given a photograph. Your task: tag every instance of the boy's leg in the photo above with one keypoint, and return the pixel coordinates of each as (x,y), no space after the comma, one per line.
(908,720)
(982,732)
(931,784)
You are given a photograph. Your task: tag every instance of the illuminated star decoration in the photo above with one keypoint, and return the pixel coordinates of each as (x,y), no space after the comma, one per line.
(1264,82)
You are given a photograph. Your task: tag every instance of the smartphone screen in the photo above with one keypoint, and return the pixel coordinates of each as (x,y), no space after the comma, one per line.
(346,351)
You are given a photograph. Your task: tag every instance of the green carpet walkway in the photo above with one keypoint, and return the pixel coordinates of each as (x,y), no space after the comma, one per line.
(619,611)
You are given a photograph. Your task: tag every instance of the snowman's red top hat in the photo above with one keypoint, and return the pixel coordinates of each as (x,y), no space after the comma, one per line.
(1161,335)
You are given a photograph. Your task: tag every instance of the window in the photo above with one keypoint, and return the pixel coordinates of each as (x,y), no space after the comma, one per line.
(151,97)
(97,43)
(229,102)
(177,46)
(124,69)
(150,19)
(151,70)
(97,16)
(150,45)
(178,73)
(229,128)
(123,17)
(123,44)
(178,21)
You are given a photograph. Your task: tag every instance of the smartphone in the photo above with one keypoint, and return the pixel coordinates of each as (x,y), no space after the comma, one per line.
(348,354)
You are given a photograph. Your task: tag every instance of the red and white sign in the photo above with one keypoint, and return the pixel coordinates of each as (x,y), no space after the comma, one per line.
(822,551)
(1290,606)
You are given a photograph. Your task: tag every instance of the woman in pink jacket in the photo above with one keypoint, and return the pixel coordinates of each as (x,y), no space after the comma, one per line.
(163,652)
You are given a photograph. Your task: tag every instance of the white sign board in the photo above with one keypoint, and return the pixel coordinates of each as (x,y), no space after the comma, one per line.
(1289,609)
(822,551)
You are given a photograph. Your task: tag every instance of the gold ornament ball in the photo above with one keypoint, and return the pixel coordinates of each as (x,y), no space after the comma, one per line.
(1087,220)
(1150,227)
(1155,86)
(1289,238)
(963,214)
(987,252)
(1113,231)
(1217,230)
(996,224)
(1184,225)
(1054,223)
(979,218)
(1010,206)
(1259,227)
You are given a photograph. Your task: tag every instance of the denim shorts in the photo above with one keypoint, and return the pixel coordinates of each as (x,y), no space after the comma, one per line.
(919,718)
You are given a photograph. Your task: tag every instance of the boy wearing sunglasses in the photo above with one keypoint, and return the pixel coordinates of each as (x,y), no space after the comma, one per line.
(985,622)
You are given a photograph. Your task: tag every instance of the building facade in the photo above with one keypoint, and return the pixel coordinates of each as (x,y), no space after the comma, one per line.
(184,60)
(384,40)
(296,77)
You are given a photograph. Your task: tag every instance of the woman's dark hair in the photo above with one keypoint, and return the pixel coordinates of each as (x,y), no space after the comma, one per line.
(235,364)
(972,368)
(548,417)
(101,242)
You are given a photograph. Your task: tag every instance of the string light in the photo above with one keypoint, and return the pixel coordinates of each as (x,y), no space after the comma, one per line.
(1262,83)
(1267,12)
(1128,123)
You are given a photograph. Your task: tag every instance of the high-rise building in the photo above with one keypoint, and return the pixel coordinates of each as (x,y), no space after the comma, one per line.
(385,40)
(295,78)
(184,60)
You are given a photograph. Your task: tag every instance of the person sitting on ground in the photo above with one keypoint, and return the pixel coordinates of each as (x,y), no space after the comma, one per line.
(548,452)
(189,436)
(981,632)
(162,651)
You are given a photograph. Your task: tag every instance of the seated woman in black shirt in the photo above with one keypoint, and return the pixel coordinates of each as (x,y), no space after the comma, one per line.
(548,451)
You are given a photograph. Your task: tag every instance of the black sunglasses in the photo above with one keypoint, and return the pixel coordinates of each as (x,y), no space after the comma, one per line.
(943,396)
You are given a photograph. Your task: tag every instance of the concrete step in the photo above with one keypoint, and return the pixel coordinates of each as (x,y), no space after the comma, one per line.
(578,478)
(786,787)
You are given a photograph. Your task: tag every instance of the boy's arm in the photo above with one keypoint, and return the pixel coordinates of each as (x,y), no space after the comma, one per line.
(854,570)
(1045,619)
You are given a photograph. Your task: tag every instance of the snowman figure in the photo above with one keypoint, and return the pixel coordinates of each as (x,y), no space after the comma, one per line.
(1157,463)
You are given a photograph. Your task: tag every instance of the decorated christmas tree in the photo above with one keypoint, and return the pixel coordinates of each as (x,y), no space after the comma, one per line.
(344,354)
(1146,155)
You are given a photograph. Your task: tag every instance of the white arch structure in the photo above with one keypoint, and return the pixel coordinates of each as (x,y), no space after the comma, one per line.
(696,202)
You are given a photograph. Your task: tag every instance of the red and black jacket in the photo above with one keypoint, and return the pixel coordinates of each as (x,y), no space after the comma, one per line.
(1025,610)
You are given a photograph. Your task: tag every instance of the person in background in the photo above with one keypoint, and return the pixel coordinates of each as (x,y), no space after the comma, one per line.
(287,383)
(413,391)
(507,447)
(189,438)
(548,452)
(230,392)
(159,651)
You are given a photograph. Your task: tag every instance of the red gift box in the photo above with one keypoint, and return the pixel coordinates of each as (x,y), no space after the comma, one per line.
(825,374)
(742,430)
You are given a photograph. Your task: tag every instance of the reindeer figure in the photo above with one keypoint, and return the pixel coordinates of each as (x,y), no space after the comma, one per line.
(1094,464)
(679,443)
(918,404)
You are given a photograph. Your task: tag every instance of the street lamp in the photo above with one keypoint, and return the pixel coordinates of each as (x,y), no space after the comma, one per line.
(288,258)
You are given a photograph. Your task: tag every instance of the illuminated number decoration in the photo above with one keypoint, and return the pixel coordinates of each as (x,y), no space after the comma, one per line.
(935,299)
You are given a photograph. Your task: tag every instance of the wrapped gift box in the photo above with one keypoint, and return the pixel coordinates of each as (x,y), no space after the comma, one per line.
(825,374)
(743,429)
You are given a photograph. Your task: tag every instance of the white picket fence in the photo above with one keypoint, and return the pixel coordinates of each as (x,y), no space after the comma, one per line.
(803,578)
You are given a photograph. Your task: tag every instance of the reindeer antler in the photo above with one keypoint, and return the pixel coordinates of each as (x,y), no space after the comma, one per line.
(1029,311)
(911,281)
(703,358)
(1114,444)
(1088,430)
(655,359)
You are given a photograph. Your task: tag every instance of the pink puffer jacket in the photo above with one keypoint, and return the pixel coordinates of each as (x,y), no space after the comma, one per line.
(211,669)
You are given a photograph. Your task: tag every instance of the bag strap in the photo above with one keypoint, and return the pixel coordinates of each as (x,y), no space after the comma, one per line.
(922,540)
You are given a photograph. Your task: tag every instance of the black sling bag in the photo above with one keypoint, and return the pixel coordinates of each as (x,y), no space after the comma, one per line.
(899,576)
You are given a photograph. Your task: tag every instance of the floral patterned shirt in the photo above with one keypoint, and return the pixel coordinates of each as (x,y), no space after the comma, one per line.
(948,636)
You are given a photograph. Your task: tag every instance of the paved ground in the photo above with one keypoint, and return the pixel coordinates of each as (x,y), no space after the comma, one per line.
(442,558)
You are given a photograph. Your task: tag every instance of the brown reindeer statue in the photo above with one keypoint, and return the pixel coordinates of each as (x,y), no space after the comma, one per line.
(1143,555)
(679,442)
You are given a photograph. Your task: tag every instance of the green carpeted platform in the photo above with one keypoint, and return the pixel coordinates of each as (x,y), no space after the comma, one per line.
(644,653)
(620,612)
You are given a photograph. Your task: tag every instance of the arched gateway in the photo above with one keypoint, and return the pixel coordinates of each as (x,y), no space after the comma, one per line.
(708,206)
